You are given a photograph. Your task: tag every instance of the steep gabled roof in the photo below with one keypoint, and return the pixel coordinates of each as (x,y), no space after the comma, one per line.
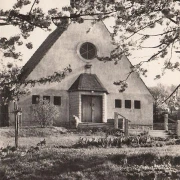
(42,50)
(88,82)
(40,53)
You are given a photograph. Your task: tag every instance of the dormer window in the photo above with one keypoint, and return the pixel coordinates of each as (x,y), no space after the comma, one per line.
(88,51)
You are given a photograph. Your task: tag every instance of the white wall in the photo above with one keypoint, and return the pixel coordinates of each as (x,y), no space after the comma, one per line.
(65,52)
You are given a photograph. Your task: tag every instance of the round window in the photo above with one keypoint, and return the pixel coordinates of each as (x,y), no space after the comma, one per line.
(88,50)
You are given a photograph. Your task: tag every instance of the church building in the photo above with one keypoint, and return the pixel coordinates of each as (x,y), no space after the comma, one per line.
(88,91)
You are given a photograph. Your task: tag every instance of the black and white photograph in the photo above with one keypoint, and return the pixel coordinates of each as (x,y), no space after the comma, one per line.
(89,90)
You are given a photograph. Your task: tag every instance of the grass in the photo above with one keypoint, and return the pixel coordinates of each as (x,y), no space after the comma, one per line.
(52,163)
(33,131)
(57,163)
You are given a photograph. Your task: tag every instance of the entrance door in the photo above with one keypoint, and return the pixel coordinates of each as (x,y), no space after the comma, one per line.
(92,109)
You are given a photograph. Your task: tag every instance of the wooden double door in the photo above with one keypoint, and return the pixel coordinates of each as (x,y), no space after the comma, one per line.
(91,108)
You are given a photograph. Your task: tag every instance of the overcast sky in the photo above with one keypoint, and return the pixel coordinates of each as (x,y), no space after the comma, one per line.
(39,35)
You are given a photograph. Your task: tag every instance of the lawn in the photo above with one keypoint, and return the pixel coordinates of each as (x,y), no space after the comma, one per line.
(59,160)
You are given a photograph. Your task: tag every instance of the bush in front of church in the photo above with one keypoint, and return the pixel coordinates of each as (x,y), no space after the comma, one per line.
(44,113)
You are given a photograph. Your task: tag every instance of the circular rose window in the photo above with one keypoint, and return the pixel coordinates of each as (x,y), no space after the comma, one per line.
(88,50)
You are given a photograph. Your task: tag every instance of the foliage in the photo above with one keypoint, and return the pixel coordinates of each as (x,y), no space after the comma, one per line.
(10,91)
(52,163)
(161,93)
(49,162)
(166,101)
(12,88)
(133,19)
(104,131)
(120,141)
(45,113)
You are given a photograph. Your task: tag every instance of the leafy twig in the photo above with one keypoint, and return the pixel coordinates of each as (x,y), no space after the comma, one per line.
(32,6)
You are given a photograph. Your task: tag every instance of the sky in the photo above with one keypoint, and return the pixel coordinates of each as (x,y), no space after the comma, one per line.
(39,35)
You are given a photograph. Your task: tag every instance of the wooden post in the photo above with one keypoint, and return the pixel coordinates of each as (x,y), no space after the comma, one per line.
(16,130)
(123,124)
(126,127)
(16,118)
(15,121)
(20,117)
(178,128)
(115,120)
(166,122)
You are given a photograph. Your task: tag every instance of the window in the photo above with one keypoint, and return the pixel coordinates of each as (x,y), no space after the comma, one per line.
(46,98)
(35,99)
(88,50)
(137,104)
(118,103)
(57,100)
(128,104)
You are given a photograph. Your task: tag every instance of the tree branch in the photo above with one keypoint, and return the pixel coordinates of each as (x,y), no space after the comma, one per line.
(171,94)
(153,46)
(159,52)
(169,58)
(56,77)
(144,27)
(4,24)
(160,34)
(32,6)
(172,20)
(81,15)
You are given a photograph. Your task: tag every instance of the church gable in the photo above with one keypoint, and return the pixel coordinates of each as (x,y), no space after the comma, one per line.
(88,91)
(60,50)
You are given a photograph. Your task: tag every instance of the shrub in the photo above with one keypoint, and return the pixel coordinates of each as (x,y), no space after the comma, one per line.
(45,113)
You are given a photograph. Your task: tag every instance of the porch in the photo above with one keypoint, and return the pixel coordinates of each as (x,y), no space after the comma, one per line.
(88,99)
